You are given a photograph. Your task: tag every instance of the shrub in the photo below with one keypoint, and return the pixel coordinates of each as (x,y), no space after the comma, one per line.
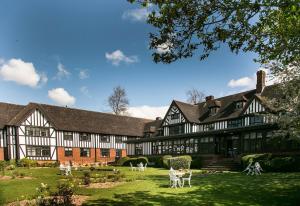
(181,162)
(2,167)
(133,160)
(122,160)
(86,178)
(11,167)
(155,161)
(25,162)
(197,162)
(64,194)
(166,161)
(274,162)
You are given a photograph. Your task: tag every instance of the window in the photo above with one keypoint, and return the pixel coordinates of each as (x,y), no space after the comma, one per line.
(213,110)
(84,152)
(84,137)
(68,152)
(175,116)
(119,139)
(252,142)
(239,105)
(206,145)
(37,131)
(68,136)
(138,149)
(38,151)
(235,123)
(104,152)
(256,120)
(104,139)
(118,153)
(176,129)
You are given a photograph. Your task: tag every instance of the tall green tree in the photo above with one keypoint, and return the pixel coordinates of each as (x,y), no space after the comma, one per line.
(270,28)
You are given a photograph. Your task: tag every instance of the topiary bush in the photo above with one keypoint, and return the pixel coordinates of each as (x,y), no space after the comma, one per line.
(155,161)
(181,162)
(166,161)
(133,160)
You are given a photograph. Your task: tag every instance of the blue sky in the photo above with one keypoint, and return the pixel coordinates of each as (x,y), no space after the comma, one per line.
(74,52)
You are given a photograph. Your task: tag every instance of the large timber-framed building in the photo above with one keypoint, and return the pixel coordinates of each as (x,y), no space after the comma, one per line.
(235,124)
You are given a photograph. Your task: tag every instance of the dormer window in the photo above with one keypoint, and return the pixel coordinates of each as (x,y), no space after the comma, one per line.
(213,110)
(239,105)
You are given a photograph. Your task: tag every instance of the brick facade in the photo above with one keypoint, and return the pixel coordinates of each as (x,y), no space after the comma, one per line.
(1,153)
(95,156)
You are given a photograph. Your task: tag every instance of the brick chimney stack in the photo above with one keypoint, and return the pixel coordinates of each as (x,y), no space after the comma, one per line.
(208,98)
(261,81)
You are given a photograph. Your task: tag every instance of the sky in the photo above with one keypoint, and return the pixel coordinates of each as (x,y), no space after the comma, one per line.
(74,52)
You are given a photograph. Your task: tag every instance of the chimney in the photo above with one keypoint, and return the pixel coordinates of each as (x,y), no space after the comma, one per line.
(208,98)
(158,118)
(261,81)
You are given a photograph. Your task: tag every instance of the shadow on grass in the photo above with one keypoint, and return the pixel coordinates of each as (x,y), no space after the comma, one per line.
(220,189)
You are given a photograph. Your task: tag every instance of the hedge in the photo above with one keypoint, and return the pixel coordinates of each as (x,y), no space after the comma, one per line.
(197,162)
(274,162)
(180,162)
(125,161)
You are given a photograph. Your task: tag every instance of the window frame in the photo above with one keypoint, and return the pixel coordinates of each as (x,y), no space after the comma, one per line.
(38,150)
(103,137)
(68,137)
(107,152)
(68,151)
(86,151)
(120,139)
(84,137)
(31,131)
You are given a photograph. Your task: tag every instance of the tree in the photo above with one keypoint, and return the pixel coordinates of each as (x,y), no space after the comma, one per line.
(286,100)
(118,101)
(195,96)
(269,28)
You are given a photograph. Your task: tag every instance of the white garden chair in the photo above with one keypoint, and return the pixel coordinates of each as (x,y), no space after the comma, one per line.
(141,167)
(174,180)
(257,168)
(132,168)
(249,168)
(62,169)
(68,170)
(188,179)
(145,167)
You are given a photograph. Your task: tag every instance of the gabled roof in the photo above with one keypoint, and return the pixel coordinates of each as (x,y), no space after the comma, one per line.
(227,109)
(77,120)
(190,111)
(7,112)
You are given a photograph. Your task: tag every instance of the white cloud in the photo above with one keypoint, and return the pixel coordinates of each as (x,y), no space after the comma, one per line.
(147,112)
(21,72)
(249,82)
(118,57)
(83,74)
(136,14)
(61,97)
(62,72)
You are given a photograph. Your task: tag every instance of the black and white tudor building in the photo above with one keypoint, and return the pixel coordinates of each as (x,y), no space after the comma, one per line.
(235,124)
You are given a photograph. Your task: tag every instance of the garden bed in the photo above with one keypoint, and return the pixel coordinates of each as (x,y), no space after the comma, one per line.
(103,185)
(77,200)
(10,177)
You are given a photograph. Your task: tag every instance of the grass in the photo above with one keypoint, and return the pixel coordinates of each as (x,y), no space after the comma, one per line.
(151,188)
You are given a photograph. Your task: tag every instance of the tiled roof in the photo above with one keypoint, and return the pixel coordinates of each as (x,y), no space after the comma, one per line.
(77,120)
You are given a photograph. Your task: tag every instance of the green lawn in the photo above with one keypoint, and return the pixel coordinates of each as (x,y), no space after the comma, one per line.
(151,188)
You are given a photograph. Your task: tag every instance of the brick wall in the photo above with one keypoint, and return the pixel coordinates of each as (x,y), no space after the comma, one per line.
(95,156)
(1,153)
